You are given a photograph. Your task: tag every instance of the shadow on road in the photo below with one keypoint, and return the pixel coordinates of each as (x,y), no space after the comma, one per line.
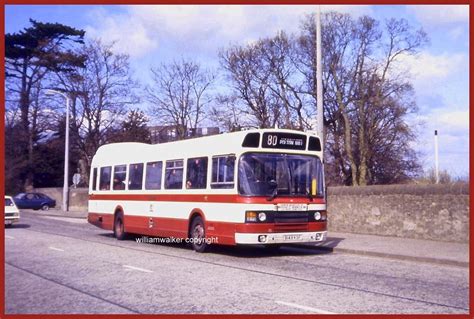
(17,226)
(244,251)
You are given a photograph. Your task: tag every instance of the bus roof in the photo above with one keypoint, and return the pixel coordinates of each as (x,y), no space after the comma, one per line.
(226,143)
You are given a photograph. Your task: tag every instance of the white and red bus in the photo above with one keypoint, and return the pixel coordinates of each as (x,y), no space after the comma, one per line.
(261,186)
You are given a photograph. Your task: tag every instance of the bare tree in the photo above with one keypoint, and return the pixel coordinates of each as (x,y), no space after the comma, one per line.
(367,99)
(180,95)
(267,79)
(101,94)
(228,114)
(251,82)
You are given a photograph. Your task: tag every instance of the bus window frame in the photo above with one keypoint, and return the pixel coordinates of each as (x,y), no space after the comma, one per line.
(125,181)
(206,172)
(161,186)
(110,178)
(94,179)
(183,172)
(129,175)
(234,180)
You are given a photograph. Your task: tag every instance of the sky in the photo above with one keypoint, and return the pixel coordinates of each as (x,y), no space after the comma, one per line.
(155,34)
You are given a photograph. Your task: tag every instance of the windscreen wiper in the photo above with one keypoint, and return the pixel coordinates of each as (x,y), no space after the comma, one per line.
(275,191)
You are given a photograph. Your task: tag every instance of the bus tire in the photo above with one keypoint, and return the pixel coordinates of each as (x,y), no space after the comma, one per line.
(197,235)
(119,228)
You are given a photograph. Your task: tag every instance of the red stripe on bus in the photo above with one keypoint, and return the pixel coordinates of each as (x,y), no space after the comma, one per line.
(178,228)
(205,198)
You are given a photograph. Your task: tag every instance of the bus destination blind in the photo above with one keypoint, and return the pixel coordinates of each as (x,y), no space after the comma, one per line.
(284,141)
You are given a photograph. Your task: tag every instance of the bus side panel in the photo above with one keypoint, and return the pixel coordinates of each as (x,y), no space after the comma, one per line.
(224,233)
(104,221)
(156,226)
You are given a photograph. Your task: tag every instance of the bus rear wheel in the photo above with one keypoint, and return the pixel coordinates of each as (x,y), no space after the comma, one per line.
(119,229)
(198,235)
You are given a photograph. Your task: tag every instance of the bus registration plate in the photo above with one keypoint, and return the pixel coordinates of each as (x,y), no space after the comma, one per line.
(291,237)
(292,207)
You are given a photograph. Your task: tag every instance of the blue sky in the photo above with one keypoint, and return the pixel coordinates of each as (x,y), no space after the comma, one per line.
(155,34)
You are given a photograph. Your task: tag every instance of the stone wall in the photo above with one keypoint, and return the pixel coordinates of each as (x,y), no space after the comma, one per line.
(435,212)
(77,197)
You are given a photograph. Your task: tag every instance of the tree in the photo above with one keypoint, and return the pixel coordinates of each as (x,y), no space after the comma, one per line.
(100,95)
(250,80)
(30,56)
(180,95)
(367,97)
(133,129)
(228,114)
(268,80)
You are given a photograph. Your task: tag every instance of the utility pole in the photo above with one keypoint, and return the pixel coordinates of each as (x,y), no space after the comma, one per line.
(319,79)
(65,205)
(436,156)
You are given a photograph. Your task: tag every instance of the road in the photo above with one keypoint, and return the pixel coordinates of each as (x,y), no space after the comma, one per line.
(64,265)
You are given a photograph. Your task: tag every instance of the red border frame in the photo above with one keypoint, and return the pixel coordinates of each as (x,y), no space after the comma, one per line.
(209,2)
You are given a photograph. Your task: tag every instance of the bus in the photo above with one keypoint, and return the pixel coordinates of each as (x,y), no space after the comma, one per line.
(255,187)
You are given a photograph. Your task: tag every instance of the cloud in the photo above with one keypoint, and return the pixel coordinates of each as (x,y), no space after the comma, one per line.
(456,118)
(428,70)
(453,136)
(129,34)
(201,28)
(440,15)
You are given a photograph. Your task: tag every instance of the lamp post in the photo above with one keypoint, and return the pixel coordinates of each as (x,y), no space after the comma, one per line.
(436,157)
(66,151)
(319,81)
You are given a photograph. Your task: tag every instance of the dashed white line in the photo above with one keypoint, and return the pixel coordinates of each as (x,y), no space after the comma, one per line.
(310,309)
(9,237)
(137,268)
(54,248)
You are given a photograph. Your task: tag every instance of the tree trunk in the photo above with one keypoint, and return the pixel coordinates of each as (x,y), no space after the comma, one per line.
(348,148)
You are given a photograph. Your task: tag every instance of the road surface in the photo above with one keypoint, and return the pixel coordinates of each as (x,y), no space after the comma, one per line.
(64,265)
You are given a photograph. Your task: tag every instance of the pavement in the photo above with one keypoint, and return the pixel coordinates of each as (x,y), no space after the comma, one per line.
(419,250)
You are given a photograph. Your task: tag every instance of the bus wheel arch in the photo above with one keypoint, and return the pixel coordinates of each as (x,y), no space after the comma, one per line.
(197,231)
(119,225)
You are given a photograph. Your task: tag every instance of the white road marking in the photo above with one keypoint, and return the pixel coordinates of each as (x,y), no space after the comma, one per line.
(54,248)
(9,237)
(310,309)
(137,268)
(69,219)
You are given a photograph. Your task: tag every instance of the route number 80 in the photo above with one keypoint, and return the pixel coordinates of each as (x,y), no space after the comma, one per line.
(272,140)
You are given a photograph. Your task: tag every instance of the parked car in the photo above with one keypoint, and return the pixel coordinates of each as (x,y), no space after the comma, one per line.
(34,201)
(12,214)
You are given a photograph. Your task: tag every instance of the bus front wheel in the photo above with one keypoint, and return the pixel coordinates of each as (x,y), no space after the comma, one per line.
(119,229)
(198,235)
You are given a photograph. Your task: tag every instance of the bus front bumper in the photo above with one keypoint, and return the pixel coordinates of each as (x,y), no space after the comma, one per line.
(280,238)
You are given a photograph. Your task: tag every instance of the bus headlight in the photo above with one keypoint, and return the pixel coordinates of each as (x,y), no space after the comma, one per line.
(324,216)
(262,217)
(317,216)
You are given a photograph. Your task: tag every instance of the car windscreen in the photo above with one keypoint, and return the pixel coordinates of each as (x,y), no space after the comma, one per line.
(8,202)
(275,174)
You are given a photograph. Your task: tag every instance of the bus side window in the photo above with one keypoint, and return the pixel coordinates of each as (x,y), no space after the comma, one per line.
(135,173)
(174,174)
(120,174)
(223,171)
(153,175)
(196,176)
(105,178)
(94,179)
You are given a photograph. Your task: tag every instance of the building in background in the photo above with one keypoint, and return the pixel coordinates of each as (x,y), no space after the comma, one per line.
(168,133)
